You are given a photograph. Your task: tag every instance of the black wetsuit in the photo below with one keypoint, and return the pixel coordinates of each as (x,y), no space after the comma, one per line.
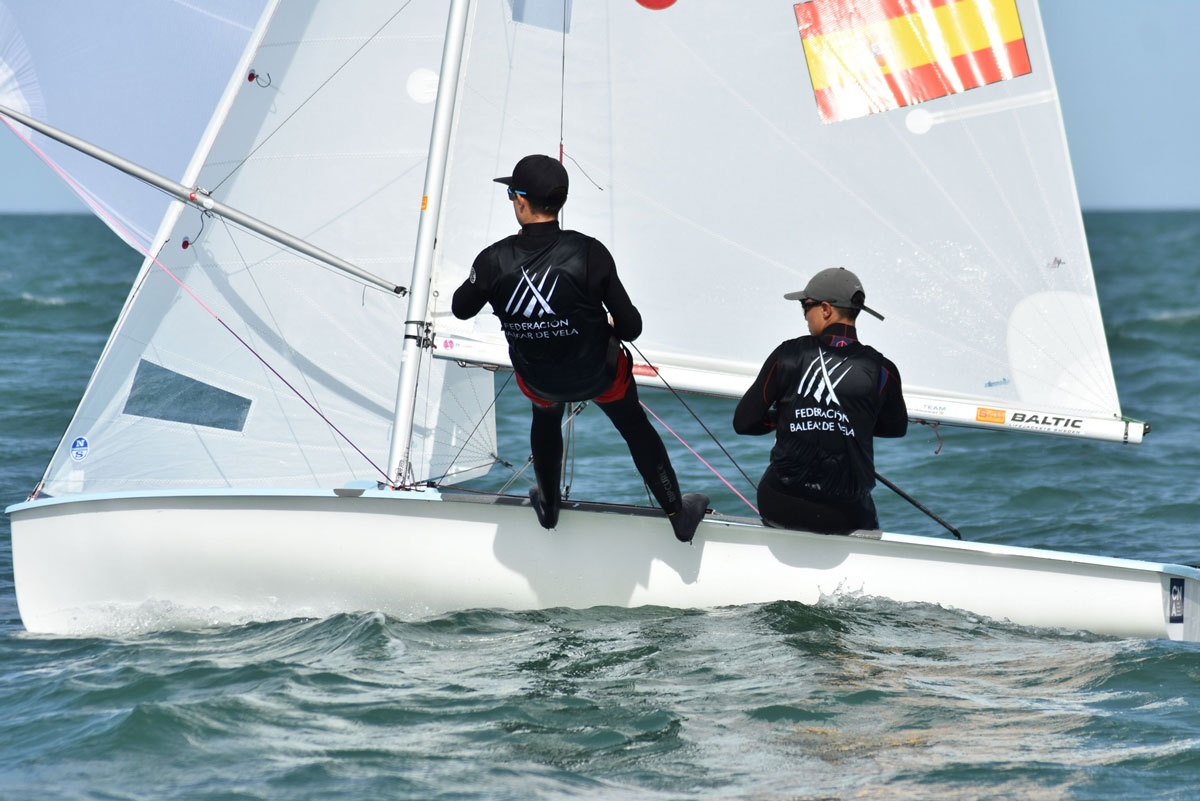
(825,398)
(551,290)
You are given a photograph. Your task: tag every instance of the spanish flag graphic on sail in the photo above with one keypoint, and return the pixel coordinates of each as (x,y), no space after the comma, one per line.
(866,56)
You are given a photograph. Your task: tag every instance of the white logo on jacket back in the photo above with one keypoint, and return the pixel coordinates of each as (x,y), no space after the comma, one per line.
(821,378)
(532,299)
(819,383)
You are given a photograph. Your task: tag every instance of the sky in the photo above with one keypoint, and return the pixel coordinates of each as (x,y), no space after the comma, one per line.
(1125,73)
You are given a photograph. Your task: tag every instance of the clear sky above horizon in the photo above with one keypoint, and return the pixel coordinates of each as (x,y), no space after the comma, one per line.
(1124,70)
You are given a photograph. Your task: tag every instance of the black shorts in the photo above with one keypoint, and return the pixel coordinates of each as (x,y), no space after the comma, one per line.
(780,508)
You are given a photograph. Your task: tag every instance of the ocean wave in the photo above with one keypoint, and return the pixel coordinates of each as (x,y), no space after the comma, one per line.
(50,301)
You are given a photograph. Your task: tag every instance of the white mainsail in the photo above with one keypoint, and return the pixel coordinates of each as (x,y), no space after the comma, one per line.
(698,153)
(329,143)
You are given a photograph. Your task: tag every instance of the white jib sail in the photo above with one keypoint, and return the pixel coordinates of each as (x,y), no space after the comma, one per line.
(715,150)
(328,142)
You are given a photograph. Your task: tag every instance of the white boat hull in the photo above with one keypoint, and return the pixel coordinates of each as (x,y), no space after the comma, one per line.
(85,564)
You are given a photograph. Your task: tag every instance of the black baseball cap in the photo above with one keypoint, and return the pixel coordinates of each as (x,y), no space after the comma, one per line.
(539,177)
(838,287)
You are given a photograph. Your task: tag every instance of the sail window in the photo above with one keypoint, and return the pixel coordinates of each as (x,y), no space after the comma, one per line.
(553,15)
(164,394)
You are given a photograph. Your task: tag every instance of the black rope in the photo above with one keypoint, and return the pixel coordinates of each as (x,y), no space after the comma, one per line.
(679,397)
(917,504)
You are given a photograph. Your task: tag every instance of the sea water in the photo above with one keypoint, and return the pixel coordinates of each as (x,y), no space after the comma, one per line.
(862,699)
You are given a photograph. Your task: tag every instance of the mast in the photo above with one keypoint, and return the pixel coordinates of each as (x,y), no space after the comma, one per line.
(431,207)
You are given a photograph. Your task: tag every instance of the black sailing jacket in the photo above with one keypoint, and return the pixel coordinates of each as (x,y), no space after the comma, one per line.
(559,338)
(827,416)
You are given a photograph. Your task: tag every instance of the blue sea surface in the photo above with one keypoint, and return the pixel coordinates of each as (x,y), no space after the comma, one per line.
(862,699)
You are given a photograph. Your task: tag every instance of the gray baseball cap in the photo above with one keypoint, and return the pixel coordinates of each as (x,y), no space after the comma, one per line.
(837,286)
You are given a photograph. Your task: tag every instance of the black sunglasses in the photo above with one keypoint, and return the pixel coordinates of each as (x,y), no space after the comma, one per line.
(809,305)
(512,193)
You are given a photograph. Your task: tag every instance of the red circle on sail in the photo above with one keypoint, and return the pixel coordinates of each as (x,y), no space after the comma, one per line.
(656,5)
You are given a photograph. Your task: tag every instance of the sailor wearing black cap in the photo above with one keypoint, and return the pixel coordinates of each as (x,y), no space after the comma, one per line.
(554,292)
(826,396)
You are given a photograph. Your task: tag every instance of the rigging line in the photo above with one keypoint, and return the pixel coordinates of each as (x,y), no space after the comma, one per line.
(579,167)
(575,440)
(713,436)
(568,457)
(312,94)
(562,106)
(562,86)
(286,383)
(698,456)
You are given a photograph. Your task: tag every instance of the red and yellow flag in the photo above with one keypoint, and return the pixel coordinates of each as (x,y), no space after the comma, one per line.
(866,56)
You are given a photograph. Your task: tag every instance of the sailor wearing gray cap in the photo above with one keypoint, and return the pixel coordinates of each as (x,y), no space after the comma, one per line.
(838,287)
(825,396)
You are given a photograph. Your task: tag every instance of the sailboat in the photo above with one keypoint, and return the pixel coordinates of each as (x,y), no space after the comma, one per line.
(285,405)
